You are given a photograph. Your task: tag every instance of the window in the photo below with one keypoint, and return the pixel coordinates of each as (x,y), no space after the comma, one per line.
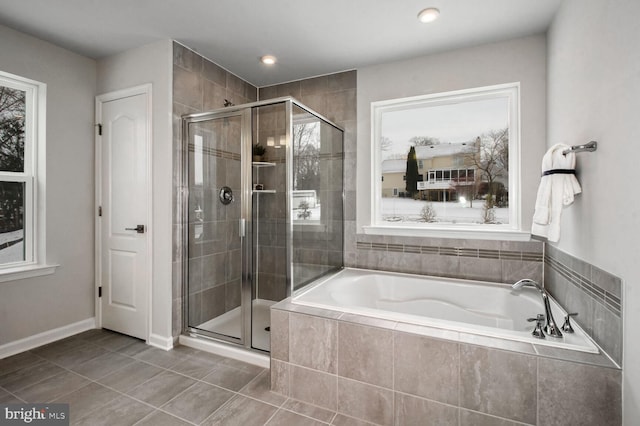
(21,144)
(467,142)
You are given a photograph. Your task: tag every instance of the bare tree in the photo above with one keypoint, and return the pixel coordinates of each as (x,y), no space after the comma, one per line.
(306,148)
(490,156)
(12,140)
(12,129)
(385,143)
(423,141)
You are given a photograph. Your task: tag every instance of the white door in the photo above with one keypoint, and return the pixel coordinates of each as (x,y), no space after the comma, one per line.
(123,199)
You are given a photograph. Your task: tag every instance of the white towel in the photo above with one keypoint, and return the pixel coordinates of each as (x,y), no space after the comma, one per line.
(555,192)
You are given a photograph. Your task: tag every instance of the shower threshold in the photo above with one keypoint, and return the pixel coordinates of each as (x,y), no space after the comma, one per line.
(230,323)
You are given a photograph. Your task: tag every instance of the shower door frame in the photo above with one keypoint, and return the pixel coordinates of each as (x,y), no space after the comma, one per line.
(246,110)
(245,222)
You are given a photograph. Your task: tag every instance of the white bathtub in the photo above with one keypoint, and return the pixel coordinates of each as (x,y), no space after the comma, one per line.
(465,306)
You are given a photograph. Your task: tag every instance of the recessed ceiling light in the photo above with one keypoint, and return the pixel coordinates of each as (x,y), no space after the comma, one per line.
(268,59)
(429,14)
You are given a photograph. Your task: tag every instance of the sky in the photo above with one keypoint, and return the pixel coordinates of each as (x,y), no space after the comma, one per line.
(455,122)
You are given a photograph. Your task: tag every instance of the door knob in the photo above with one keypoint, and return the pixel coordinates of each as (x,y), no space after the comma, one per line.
(139,229)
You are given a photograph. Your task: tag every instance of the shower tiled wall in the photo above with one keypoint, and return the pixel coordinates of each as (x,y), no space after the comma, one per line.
(198,85)
(594,294)
(334,97)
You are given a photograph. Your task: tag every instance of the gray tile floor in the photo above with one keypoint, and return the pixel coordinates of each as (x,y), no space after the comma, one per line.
(111,379)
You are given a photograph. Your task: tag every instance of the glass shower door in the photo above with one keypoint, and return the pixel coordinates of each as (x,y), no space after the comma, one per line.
(216,224)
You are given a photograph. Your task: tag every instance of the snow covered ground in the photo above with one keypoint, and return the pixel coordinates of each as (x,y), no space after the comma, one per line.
(14,253)
(408,210)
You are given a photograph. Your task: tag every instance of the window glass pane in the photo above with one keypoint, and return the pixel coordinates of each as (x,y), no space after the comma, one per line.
(12,129)
(462,141)
(11,222)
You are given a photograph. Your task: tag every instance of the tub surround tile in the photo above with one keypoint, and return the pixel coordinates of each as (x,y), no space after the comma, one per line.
(421,330)
(607,331)
(473,418)
(287,305)
(313,342)
(592,292)
(410,410)
(571,393)
(364,354)
(495,343)
(280,377)
(416,357)
(260,389)
(279,335)
(323,391)
(368,321)
(363,401)
(598,360)
(498,383)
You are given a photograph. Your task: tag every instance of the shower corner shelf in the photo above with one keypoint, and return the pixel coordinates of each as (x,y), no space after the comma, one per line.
(263,164)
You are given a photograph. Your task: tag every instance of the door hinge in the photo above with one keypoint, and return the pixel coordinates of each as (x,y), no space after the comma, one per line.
(100,291)
(99,210)
(99,129)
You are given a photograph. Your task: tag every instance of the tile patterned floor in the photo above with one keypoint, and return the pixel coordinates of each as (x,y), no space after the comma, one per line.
(112,379)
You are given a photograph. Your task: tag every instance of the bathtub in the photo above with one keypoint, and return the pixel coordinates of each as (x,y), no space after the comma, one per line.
(465,306)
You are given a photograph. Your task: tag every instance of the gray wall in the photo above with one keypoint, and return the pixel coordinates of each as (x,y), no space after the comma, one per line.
(35,305)
(594,93)
(152,64)
(521,60)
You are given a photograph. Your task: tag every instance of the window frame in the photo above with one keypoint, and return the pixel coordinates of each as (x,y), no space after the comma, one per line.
(511,231)
(33,177)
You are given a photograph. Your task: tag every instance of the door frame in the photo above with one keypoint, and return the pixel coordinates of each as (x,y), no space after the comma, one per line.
(144,89)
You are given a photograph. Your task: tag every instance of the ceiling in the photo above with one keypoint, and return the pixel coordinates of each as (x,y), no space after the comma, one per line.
(309,38)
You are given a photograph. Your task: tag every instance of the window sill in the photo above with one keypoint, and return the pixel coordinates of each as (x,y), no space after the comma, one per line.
(450,232)
(26,271)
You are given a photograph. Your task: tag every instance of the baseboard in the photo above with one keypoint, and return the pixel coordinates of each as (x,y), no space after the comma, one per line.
(165,343)
(261,360)
(45,337)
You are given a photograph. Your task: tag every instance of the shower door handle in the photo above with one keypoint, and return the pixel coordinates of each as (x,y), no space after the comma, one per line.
(242,228)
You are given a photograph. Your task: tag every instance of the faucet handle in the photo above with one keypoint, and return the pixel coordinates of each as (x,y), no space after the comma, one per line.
(537,331)
(566,327)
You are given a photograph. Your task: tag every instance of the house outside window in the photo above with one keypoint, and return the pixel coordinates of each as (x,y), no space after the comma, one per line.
(22,103)
(467,151)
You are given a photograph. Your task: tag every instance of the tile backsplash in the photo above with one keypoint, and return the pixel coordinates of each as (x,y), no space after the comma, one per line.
(495,261)
(596,296)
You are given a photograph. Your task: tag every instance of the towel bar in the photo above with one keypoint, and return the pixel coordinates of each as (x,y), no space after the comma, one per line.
(590,147)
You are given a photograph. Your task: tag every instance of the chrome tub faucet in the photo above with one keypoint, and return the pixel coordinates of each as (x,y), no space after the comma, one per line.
(550,328)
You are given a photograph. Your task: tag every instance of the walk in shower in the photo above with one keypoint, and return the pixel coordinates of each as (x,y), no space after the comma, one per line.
(257,228)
